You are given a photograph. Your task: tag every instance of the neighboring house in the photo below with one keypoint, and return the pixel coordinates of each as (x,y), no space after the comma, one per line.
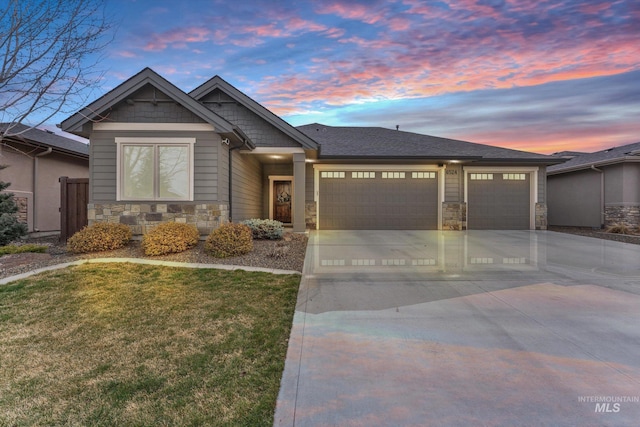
(213,155)
(37,159)
(596,189)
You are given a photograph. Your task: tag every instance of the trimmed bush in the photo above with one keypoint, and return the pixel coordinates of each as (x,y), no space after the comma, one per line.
(231,239)
(101,236)
(170,238)
(265,228)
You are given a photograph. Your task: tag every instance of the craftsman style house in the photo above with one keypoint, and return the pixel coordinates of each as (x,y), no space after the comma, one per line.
(214,155)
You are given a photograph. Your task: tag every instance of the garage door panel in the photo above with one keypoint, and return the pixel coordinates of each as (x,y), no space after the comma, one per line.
(499,204)
(377,203)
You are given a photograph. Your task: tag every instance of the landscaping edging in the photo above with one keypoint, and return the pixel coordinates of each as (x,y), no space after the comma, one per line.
(9,279)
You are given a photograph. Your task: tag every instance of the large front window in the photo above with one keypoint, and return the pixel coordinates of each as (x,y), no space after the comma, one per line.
(160,170)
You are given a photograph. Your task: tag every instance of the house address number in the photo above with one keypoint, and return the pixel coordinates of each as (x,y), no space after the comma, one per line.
(451,172)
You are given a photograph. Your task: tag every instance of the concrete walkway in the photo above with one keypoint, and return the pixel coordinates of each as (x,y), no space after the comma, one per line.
(479,328)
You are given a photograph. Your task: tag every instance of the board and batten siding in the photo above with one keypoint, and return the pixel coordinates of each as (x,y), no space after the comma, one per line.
(103,169)
(246,187)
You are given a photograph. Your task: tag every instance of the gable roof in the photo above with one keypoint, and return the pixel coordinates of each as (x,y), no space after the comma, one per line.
(45,139)
(629,152)
(75,123)
(377,142)
(218,82)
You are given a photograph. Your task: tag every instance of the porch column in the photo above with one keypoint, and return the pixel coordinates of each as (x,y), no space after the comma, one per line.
(299,220)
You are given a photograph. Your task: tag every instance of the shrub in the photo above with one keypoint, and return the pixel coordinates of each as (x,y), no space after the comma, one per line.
(169,238)
(618,229)
(101,236)
(231,239)
(10,227)
(265,228)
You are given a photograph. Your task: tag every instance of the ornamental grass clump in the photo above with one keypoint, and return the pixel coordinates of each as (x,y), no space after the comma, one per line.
(618,229)
(265,228)
(21,249)
(101,236)
(169,238)
(231,239)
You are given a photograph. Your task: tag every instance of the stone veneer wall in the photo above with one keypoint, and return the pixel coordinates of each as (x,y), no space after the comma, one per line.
(623,215)
(23,208)
(310,215)
(454,216)
(541,216)
(142,217)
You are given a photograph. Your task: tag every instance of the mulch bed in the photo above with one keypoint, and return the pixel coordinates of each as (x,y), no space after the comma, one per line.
(598,234)
(285,254)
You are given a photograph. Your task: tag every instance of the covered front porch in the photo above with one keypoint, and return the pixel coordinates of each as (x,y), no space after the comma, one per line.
(270,182)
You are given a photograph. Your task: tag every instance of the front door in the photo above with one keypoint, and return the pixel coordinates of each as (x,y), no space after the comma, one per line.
(282,201)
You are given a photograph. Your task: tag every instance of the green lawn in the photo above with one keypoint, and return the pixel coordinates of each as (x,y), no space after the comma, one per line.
(125,344)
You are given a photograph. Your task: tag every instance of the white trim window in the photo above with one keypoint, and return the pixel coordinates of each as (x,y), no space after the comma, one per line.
(155,169)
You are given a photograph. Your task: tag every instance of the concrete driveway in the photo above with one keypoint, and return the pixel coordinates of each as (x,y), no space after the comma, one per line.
(477,328)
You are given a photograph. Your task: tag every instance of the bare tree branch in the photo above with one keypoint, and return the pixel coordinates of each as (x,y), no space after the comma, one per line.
(50,52)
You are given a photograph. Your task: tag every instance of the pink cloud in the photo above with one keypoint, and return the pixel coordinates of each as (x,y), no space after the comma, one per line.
(126,54)
(350,10)
(177,38)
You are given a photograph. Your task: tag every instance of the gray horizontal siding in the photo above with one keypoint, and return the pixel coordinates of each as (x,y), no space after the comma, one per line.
(542,185)
(205,179)
(247,187)
(453,183)
(102,167)
(309,176)
(102,185)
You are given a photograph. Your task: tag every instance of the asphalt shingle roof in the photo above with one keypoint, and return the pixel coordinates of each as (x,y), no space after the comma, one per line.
(377,142)
(47,139)
(611,155)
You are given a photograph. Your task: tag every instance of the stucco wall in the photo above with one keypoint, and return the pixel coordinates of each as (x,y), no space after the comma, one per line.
(574,199)
(43,201)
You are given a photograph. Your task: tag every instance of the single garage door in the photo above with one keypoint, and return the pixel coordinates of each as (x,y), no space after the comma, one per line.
(498,201)
(375,200)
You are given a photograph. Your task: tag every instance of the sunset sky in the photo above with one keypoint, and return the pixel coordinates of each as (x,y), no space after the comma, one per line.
(535,75)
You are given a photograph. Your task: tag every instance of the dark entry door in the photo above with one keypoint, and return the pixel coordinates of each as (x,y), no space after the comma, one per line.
(282,201)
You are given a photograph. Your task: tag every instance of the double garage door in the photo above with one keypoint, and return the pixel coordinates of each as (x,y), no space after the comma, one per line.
(378,200)
(408,200)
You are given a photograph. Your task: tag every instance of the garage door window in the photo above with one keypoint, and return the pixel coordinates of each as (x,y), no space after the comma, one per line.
(423,175)
(514,177)
(331,174)
(393,175)
(481,176)
(363,175)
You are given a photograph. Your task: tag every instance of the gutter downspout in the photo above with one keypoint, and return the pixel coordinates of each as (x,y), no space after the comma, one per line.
(593,167)
(35,186)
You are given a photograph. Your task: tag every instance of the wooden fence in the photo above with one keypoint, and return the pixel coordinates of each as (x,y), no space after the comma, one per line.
(74,196)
